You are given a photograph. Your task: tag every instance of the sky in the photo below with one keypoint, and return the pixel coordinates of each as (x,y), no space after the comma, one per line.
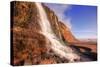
(80,19)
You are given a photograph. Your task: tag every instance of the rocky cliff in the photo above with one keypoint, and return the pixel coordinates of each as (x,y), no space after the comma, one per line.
(59,27)
(28,45)
(66,33)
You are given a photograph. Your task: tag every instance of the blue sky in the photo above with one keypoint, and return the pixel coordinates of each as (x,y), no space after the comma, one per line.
(82,20)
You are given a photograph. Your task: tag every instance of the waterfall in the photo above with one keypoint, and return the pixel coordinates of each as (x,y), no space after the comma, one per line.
(57,45)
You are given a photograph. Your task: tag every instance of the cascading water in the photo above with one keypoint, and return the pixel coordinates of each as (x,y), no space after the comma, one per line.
(57,45)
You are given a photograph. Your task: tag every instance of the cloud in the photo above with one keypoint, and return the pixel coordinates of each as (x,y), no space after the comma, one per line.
(59,10)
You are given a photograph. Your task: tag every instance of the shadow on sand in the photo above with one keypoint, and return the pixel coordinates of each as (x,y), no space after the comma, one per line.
(86,51)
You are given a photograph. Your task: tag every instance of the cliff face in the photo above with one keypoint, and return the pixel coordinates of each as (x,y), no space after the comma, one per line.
(53,21)
(61,30)
(25,30)
(66,33)
(29,46)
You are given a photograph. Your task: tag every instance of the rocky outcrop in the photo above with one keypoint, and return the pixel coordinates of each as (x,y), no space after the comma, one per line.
(61,30)
(66,33)
(27,42)
(54,21)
